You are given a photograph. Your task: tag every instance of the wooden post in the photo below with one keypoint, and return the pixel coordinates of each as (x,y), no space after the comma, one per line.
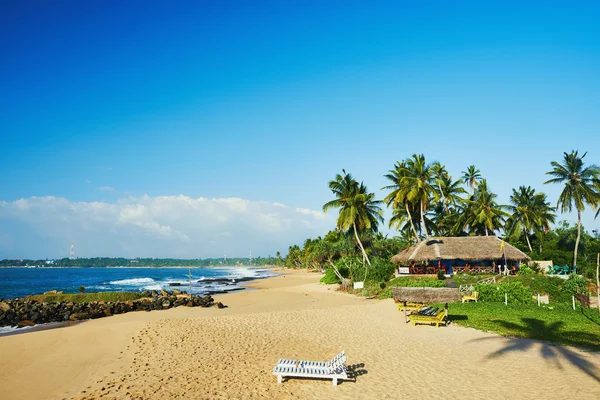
(573,298)
(538,299)
(405,319)
(505,299)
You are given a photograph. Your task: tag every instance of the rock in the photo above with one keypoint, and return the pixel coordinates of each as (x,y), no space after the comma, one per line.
(174,284)
(163,292)
(51,292)
(4,306)
(220,305)
(176,292)
(25,322)
(79,316)
(166,304)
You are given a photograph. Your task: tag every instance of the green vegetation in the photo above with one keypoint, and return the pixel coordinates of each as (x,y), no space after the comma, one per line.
(582,187)
(558,324)
(515,291)
(88,297)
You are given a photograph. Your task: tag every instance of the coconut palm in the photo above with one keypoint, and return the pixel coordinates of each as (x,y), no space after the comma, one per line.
(471,177)
(480,214)
(358,208)
(397,198)
(416,183)
(581,187)
(530,212)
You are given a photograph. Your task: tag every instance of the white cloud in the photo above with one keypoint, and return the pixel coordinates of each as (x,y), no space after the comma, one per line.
(106,189)
(164,226)
(314,213)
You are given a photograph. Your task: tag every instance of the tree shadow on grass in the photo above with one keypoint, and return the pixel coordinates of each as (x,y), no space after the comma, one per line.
(537,329)
(586,312)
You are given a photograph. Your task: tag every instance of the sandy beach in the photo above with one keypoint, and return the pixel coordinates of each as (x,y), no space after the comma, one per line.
(196,353)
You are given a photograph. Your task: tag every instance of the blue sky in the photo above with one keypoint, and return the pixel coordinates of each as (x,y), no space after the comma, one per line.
(118,104)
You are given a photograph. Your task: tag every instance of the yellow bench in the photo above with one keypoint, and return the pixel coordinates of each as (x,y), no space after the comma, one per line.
(469,297)
(436,320)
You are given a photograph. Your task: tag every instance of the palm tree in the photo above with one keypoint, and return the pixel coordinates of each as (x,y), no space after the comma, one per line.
(358,208)
(471,177)
(416,184)
(480,214)
(581,187)
(397,197)
(530,212)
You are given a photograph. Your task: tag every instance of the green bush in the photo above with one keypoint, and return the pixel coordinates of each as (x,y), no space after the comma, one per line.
(542,284)
(440,275)
(516,293)
(525,270)
(381,270)
(575,284)
(331,278)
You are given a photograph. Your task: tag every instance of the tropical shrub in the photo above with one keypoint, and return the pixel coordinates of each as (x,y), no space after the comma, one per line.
(575,284)
(525,270)
(516,293)
(330,277)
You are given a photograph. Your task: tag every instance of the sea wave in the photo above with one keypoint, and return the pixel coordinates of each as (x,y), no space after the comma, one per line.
(132,282)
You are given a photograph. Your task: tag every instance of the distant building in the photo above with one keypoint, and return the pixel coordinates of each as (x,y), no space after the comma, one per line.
(49,262)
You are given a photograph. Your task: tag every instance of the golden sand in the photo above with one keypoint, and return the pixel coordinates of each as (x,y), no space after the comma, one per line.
(195,353)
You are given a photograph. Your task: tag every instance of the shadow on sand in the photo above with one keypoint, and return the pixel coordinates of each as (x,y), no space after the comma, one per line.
(539,330)
(355,370)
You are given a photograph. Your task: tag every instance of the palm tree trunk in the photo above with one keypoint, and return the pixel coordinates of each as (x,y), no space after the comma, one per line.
(578,237)
(423,221)
(443,197)
(528,243)
(364,253)
(411,223)
(486,231)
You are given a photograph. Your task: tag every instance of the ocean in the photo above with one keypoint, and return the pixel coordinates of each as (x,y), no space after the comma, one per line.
(20,282)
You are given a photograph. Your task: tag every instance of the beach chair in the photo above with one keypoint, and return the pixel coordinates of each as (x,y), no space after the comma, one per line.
(333,369)
(471,297)
(564,270)
(439,317)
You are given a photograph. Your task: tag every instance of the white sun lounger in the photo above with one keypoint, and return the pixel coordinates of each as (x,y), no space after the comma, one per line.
(334,369)
(339,358)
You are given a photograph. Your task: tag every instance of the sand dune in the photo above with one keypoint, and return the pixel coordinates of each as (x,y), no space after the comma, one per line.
(229,354)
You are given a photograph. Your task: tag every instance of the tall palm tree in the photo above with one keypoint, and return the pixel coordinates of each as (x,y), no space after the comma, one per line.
(471,177)
(397,197)
(358,208)
(530,212)
(481,213)
(439,174)
(581,187)
(416,184)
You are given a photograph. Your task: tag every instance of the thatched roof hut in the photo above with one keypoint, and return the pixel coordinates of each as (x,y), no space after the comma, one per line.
(467,248)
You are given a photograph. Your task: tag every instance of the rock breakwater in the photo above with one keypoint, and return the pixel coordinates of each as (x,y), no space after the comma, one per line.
(27,311)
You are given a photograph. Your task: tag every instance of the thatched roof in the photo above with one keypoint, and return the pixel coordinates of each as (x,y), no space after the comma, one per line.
(468,248)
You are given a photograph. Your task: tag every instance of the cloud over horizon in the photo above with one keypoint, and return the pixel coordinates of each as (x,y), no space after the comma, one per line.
(163,226)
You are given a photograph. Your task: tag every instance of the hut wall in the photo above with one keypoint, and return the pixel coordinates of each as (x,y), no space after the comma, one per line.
(425,295)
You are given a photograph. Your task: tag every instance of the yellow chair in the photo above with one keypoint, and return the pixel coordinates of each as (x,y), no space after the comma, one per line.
(469,297)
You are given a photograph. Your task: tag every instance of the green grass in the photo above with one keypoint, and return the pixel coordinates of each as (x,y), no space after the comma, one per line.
(405,281)
(557,324)
(88,297)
